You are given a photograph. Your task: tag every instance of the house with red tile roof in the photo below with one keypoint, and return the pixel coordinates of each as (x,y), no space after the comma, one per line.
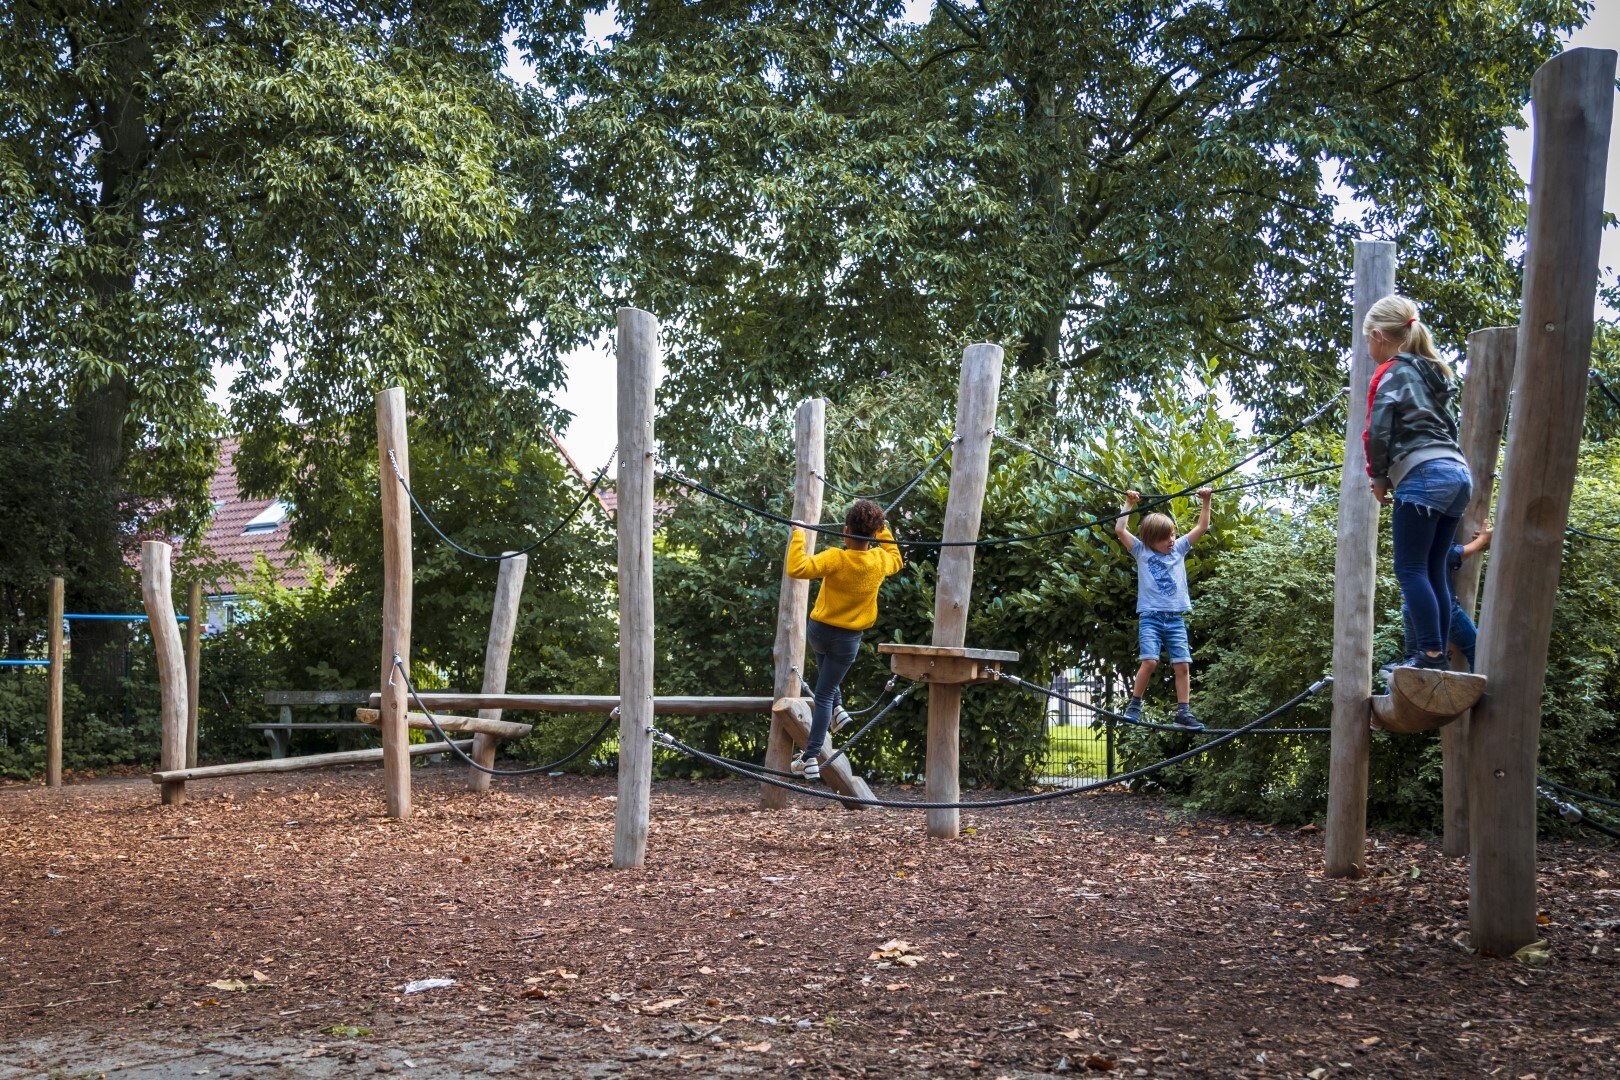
(239,532)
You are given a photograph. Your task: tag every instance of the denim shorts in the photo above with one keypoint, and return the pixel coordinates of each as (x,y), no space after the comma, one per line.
(1157,631)
(1443,485)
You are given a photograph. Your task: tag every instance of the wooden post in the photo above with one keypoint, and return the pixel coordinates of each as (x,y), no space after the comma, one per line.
(793,604)
(497,655)
(1354,576)
(1572,99)
(53,700)
(393,450)
(1484,411)
(194,631)
(970,469)
(171,662)
(638,375)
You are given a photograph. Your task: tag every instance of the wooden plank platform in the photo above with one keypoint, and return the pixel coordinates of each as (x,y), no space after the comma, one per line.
(585,703)
(945,665)
(1421,699)
(293,764)
(500,729)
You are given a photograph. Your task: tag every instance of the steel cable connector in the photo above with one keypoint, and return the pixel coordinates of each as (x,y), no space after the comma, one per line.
(1577,793)
(1133,722)
(1574,815)
(574,512)
(670,742)
(464,756)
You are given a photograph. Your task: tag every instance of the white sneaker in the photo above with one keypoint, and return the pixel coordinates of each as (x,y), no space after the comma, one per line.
(840,717)
(809,768)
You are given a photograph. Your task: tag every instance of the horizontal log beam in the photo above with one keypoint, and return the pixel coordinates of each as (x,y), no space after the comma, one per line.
(476,725)
(293,764)
(585,703)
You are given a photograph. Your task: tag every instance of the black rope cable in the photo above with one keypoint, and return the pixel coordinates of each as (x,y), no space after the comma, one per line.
(840,752)
(399,665)
(1578,793)
(1592,535)
(1050,460)
(904,489)
(580,505)
(1597,377)
(1575,815)
(670,742)
(1142,507)
(1134,722)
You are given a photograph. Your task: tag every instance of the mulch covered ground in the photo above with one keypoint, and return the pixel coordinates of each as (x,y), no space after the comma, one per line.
(1104,934)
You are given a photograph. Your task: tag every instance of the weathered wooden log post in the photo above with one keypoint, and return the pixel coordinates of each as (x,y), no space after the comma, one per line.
(793,604)
(976,401)
(393,453)
(1484,411)
(1354,578)
(53,699)
(497,658)
(194,631)
(156,584)
(638,377)
(1572,102)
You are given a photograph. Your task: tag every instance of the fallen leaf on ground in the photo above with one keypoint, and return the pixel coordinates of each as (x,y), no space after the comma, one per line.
(660,1006)
(1349,982)
(228,984)
(757,1048)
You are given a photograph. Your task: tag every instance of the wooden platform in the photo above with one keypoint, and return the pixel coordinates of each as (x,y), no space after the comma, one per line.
(944,665)
(1422,700)
(501,729)
(585,703)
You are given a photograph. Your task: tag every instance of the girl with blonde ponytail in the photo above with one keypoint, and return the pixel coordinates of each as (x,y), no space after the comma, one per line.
(1411,445)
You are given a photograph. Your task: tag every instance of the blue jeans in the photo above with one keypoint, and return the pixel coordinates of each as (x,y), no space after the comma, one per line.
(1463,633)
(1157,631)
(835,650)
(1428,505)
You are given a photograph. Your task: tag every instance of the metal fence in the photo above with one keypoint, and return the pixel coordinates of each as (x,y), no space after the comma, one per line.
(1079,743)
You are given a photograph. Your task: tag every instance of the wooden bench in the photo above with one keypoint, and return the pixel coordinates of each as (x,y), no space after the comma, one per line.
(279,734)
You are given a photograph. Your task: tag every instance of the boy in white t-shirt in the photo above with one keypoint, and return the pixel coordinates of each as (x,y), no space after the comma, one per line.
(1162,600)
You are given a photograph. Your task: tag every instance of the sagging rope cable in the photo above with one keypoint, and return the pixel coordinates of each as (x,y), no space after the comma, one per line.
(1050,460)
(904,489)
(399,666)
(1602,385)
(840,752)
(1573,531)
(1120,491)
(580,505)
(1578,793)
(1574,814)
(670,742)
(1143,507)
(1124,719)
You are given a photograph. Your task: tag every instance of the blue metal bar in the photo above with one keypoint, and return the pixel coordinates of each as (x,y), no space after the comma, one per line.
(115,618)
(25,663)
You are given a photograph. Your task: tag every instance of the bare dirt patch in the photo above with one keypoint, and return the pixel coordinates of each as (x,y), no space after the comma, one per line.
(275,925)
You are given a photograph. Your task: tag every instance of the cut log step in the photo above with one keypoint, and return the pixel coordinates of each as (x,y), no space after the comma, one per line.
(1421,699)
(477,725)
(793,713)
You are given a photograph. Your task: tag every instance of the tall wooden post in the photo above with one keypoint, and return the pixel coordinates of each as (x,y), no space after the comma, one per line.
(156,584)
(53,699)
(1572,100)
(393,450)
(194,631)
(970,469)
(1484,411)
(497,656)
(1354,578)
(638,376)
(793,604)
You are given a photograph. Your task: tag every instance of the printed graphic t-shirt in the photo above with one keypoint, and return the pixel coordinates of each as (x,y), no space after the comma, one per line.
(1161,580)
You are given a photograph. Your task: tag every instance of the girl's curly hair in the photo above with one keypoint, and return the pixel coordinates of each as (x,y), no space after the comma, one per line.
(865,518)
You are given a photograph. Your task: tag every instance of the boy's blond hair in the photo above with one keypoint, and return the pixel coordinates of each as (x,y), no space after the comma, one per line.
(1156,529)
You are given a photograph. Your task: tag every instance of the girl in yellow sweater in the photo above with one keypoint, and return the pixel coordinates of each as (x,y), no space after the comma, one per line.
(846,605)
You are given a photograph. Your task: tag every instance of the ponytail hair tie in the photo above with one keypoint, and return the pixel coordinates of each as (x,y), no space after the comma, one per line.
(1412,320)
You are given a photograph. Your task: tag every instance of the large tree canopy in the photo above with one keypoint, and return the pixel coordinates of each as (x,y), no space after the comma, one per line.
(823,191)
(328,198)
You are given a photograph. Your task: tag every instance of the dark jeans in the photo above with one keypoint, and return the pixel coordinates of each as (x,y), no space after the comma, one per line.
(1463,633)
(1423,538)
(835,650)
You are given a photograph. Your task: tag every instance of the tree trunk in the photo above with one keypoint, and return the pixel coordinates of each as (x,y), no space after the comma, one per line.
(1040,114)
(113,234)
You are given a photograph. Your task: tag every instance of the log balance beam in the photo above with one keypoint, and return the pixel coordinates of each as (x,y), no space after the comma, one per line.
(293,764)
(473,725)
(587,703)
(1421,699)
